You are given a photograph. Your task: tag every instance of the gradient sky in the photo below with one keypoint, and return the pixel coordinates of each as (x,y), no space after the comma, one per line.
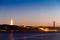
(30,12)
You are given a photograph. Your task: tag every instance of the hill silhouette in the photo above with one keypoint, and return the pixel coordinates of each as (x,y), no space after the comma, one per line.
(15,28)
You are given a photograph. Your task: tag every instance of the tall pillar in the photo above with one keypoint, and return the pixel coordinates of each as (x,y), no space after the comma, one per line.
(11,21)
(53,23)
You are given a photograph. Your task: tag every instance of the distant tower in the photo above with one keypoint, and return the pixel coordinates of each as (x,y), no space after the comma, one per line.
(11,21)
(53,23)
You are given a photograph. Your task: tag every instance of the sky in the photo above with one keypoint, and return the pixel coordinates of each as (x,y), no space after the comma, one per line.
(30,12)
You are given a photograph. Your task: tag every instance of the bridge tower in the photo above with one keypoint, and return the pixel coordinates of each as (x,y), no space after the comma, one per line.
(53,23)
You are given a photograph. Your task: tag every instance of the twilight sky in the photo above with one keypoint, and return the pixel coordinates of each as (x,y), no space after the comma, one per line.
(30,12)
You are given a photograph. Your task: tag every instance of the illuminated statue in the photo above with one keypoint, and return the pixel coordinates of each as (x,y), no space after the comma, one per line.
(11,21)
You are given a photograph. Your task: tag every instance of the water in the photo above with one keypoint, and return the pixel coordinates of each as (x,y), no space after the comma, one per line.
(43,36)
(29,36)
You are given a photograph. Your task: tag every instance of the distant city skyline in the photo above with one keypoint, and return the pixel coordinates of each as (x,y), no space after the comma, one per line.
(30,12)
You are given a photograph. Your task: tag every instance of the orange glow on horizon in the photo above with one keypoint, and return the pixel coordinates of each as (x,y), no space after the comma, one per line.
(46,29)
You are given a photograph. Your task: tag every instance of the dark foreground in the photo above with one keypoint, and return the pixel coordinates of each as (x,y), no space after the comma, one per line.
(29,36)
